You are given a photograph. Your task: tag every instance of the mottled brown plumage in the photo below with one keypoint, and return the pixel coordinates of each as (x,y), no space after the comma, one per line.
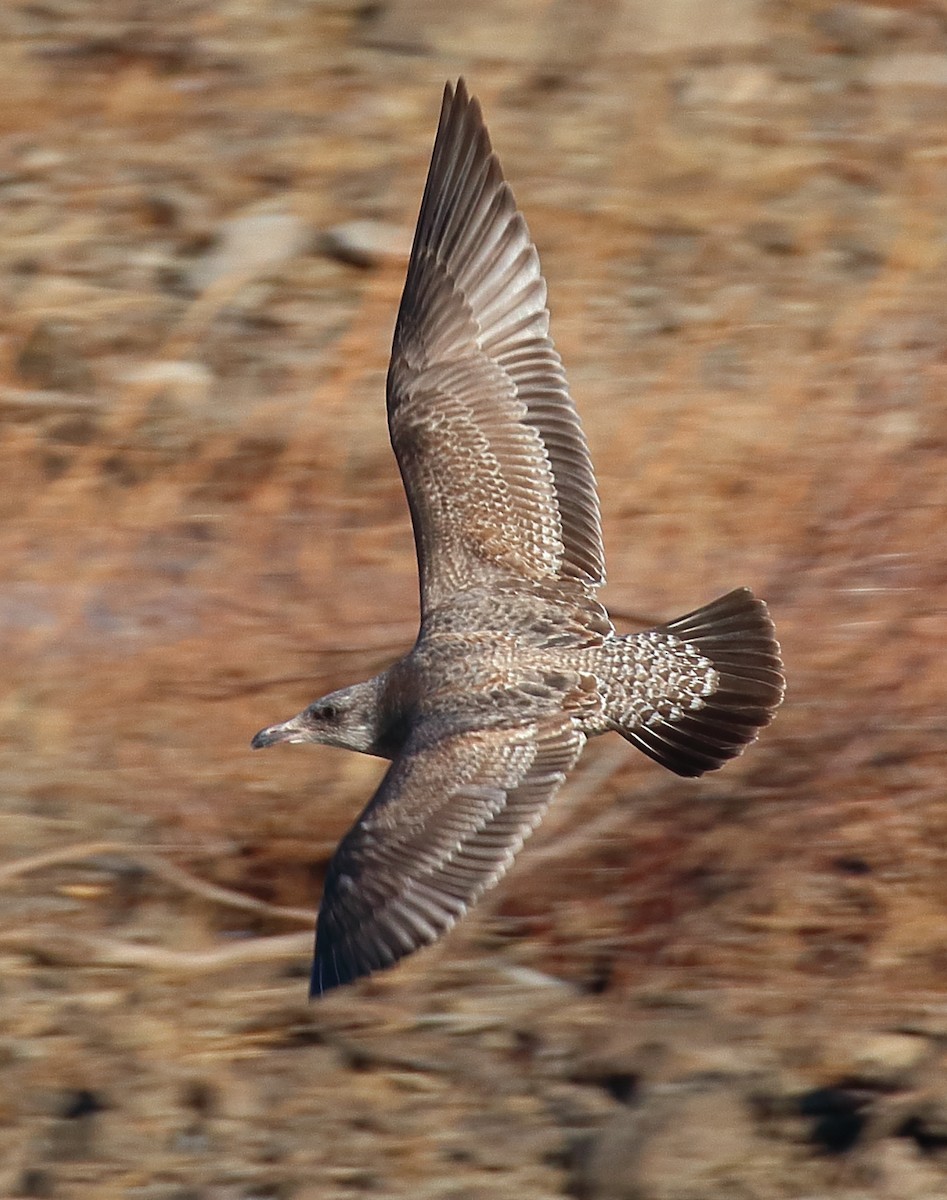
(516,663)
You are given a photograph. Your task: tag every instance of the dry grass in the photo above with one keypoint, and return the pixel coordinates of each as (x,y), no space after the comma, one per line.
(202,527)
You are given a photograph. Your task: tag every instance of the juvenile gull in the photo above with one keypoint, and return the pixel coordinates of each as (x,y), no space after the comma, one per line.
(516,664)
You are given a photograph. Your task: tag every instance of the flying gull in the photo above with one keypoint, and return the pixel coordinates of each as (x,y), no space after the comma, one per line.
(516,664)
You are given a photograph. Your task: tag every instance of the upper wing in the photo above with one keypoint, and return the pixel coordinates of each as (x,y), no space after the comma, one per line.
(493,458)
(442,828)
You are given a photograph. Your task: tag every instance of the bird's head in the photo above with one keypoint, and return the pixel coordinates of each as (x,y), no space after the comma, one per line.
(347,718)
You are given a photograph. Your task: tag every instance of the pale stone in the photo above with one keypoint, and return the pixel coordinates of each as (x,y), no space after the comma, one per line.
(909,70)
(367,243)
(249,245)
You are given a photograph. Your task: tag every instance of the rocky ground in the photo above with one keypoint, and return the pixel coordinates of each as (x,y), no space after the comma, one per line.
(725,990)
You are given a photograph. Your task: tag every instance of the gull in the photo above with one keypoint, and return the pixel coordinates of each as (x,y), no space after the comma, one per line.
(516,663)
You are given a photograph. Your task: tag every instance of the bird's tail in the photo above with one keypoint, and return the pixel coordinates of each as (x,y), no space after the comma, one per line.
(703,686)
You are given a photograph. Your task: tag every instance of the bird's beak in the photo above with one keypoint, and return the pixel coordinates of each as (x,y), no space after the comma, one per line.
(292,730)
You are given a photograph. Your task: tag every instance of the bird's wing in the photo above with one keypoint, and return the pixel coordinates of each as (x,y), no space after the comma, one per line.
(442,828)
(491,451)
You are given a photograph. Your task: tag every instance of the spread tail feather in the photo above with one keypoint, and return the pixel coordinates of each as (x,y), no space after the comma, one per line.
(724,685)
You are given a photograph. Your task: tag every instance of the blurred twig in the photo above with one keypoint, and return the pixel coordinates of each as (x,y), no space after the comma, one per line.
(79,949)
(156,865)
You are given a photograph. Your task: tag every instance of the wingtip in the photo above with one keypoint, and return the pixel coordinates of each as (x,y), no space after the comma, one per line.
(325,976)
(317,987)
(457,97)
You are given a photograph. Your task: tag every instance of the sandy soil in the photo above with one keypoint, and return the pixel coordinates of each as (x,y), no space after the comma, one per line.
(725,990)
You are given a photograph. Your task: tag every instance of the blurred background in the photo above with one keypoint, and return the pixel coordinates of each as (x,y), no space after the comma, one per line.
(683,991)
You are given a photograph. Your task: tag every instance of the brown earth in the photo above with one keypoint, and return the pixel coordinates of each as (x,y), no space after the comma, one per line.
(684,991)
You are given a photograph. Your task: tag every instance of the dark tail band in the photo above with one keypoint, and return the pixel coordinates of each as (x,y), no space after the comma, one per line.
(735,633)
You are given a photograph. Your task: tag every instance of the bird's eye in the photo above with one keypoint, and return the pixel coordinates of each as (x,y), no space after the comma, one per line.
(324,712)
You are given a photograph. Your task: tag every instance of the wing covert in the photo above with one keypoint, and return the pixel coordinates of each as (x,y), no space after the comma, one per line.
(442,828)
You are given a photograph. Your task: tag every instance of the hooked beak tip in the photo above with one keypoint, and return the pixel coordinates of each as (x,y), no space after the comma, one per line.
(286,731)
(266,737)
